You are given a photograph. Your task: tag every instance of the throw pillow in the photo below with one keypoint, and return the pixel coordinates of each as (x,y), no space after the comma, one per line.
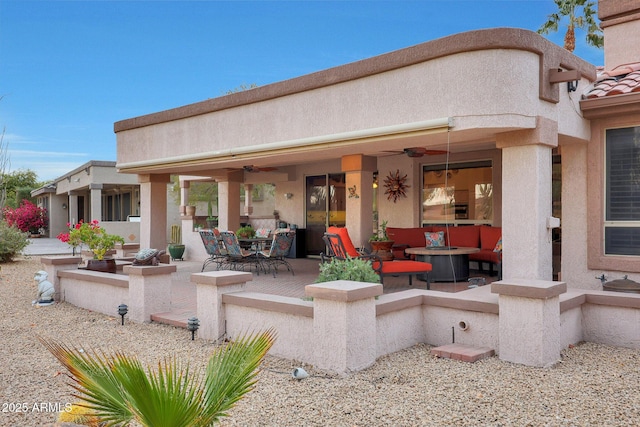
(434,239)
(498,247)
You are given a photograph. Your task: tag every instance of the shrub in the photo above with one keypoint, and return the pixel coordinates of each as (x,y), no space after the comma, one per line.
(356,269)
(28,217)
(12,241)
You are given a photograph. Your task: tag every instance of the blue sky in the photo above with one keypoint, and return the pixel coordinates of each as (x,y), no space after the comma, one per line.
(70,69)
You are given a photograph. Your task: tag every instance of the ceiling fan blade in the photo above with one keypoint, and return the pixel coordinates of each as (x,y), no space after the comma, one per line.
(421,151)
(251,168)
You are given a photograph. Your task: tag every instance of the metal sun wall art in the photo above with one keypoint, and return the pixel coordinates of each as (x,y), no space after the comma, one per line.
(395,186)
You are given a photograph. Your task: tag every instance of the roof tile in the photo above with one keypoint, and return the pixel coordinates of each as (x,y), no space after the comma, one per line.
(621,80)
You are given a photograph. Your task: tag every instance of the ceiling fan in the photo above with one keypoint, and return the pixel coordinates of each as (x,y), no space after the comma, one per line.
(419,152)
(252,168)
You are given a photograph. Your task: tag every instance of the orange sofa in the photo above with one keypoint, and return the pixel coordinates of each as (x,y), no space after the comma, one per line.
(483,237)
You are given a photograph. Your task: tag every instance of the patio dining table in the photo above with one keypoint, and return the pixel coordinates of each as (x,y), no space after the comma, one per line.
(255,244)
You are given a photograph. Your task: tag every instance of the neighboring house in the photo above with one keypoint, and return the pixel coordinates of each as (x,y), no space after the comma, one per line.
(93,191)
(509,142)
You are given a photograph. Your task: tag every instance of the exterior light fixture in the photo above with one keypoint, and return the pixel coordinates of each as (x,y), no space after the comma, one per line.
(192,325)
(288,195)
(122,311)
(64,206)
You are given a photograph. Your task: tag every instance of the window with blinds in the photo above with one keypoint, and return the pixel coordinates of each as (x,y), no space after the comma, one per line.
(622,192)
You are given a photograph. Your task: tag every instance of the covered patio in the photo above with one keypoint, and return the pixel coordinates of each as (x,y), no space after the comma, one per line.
(446,102)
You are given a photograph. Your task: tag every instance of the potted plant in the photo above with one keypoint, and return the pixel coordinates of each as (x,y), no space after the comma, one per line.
(99,242)
(246,232)
(381,244)
(212,221)
(176,248)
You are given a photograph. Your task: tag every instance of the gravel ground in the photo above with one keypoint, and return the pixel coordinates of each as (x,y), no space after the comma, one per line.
(593,385)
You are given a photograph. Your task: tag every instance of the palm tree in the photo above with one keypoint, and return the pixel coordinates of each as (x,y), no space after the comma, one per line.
(118,389)
(587,21)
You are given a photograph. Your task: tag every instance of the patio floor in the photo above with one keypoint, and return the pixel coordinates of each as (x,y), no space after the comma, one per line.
(183,291)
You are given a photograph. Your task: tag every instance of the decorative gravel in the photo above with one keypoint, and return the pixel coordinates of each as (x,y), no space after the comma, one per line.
(593,385)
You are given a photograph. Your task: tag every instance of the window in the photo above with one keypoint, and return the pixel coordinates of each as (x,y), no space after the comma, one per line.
(458,194)
(116,207)
(622,192)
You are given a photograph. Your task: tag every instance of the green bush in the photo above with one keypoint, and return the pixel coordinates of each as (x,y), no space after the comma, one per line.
(12,241)
(355,269)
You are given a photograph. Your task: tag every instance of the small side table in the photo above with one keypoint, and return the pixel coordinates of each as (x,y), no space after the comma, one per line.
(450,264)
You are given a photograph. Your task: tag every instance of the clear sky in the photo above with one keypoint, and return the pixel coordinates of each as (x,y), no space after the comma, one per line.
(70,69)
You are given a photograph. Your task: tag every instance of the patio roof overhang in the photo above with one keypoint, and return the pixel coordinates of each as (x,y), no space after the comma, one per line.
(292,151)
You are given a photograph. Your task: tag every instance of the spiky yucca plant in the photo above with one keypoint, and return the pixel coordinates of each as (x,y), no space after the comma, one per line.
(118,389)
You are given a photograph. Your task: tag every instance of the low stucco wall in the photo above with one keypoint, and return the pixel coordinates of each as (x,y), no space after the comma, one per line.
(348,324)
(612,318)
(295,332)
(93,290)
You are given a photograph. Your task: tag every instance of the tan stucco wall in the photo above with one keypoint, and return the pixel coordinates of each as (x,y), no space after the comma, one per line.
(448,87)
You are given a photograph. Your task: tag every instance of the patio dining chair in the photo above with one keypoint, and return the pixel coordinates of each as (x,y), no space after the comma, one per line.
(217,255)
(280,246)
(340,246)
(237,258)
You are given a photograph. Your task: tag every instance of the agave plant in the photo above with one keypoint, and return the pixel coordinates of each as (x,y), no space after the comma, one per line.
(118,389)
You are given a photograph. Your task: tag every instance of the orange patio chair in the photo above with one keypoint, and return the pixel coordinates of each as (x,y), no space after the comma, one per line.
(340,246)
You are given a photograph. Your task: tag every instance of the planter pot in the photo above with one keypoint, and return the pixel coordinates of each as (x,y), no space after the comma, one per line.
(107,265)
(382,248)
(176,252)
(190,210)
(212,223)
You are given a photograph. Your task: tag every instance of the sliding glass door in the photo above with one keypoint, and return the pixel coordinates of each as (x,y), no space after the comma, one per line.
(325,206)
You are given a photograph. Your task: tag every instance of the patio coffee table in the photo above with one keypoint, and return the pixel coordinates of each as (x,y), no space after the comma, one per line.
(450,264)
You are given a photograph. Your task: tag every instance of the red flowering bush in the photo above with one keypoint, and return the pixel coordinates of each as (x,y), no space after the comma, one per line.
(27,218)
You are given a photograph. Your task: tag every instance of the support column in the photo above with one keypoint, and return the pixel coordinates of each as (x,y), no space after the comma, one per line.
(96,201)
(359,206)
(184,196)
(210,287)
(344,324)
(73,208)
(228,206)
(529,321)
(153,210)
(526,201)
(248,199)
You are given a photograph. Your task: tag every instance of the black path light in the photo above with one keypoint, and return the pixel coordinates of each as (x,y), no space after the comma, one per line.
(122,311)
(192,325)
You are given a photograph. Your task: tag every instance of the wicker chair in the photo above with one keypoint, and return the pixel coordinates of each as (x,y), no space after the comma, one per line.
(280,246)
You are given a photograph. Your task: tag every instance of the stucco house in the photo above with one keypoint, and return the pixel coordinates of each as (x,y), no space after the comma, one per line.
(93,191)
(504,126)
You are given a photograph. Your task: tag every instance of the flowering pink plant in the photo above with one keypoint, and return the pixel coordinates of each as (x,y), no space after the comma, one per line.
(92,235)
(27,218)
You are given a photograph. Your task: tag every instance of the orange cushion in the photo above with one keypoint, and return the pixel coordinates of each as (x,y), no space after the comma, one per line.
(489,236)
(391,267)
(466,236)
(346,240)
(412,237)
